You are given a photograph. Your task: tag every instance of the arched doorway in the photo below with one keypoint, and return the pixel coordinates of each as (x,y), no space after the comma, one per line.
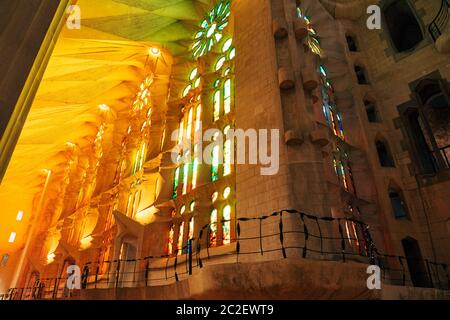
(404,28)
(416,265)
(128,264)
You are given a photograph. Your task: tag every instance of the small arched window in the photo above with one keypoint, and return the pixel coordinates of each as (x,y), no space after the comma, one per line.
(384,154)
(351,43)
(361,75)
(402,25)
(371,111)
(398,204)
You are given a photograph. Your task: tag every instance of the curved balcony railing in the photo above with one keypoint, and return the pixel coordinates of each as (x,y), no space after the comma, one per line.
(439,23)
(280,235)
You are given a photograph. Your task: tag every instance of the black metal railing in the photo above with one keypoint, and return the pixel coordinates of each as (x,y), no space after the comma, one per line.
(445,153)
(439,23)
(280,235)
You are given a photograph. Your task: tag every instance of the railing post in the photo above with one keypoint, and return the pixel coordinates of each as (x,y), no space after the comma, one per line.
(190,255)
(429,273)
(283,250)
(147,270)
(341,232)
(403,270)
(96,275)
(117,273)
(305,233)
(199,248)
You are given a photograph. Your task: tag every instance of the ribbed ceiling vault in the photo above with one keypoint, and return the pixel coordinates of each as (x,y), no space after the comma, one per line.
(103,63)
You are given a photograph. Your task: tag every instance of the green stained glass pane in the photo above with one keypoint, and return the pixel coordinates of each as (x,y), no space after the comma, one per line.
(222,26)
(220,63)
(226,225)
(232,54)
(213,228)
(186,90)
(218,37)
(185,177)
(227,96)
(227,45)
(227,158)
(211,28)
(215,164)
(194,173)
(216,105)
(176,182)
(193,74)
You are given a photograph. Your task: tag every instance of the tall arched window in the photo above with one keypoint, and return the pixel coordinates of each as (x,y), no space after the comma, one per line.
(384,154)
(180,239)
(171,240)
(213,228)
(195,165)
(185,177)
(176,182)
(227,96)
(226,225)
(191,229)
(227,153)
(215,161)
(402,25)
(398,204)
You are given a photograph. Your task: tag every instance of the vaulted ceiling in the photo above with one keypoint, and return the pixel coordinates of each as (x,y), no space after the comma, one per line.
(102,63)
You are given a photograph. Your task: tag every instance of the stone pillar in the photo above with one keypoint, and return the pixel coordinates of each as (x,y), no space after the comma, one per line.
(29,31)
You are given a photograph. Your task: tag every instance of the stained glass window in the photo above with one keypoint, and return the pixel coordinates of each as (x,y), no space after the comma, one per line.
(213,228)
(217,103)
(171,240)
(226,224)
(211,29)
(176,182)
(198,117)
(194,172)
(180,239)
(191,229)
(214,196)
(215,164)
(227,154)
(185,177)
(312,38)
(193,74)
(220,63)
(344,176)
(189,124)
(227,96)
(227,45)
(226,192)
(181,131)
(341,126)
(232,54)
(187,90)
(142,98)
